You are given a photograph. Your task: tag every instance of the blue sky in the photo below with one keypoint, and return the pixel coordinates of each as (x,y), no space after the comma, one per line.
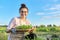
(40,11)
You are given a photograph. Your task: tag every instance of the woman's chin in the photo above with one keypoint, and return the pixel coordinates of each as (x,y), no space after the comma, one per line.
(23,16)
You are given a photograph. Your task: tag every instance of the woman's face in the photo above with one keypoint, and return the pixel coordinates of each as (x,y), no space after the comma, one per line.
(23,12)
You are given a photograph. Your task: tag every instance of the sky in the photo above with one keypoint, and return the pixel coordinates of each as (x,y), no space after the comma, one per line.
(40,11)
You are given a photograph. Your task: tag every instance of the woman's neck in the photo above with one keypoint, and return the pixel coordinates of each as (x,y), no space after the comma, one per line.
(24,19)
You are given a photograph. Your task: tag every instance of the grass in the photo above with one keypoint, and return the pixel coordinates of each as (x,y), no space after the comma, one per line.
(3,36)
(40,35)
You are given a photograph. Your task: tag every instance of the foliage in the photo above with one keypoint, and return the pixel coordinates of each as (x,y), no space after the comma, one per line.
(49,25)
(48,29)
(24,27)
(42,26)
(3,34)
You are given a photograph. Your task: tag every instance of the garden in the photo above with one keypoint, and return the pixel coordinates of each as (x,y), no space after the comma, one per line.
(42,32)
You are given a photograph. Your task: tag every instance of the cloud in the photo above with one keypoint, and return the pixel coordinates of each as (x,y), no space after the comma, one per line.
(53,7)
(52,15)
(50,12)
(49,15)
(40,13)
(53,11)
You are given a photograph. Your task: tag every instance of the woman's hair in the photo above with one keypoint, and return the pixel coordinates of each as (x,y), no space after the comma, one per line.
(23,6)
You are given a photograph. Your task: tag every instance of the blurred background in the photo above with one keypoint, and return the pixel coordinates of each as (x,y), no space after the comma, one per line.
(43,14)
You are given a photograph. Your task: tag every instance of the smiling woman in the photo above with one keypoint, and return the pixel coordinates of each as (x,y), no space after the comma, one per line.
(18,21)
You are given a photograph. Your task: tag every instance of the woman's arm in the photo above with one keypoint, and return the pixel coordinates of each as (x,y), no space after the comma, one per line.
(11,25)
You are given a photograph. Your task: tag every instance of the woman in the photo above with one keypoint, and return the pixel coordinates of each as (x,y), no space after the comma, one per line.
(17,21)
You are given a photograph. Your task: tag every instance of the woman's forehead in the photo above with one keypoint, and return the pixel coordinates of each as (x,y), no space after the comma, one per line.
(23,9)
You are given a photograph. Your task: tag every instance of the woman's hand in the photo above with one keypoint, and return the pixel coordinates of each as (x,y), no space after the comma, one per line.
(13,30)
(31,30)
(8,31)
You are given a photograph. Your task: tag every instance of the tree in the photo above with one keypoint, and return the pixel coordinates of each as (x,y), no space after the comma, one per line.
(42,26)
(3,25)
(49,25)
(54,25)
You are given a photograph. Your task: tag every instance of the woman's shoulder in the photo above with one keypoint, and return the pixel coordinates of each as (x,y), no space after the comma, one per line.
(16,18)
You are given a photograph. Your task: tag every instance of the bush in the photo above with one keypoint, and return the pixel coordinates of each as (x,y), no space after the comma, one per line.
(43,29)
(53,29)
(48,29)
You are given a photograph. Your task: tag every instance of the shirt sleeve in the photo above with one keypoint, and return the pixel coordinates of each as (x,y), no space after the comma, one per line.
(28,22)
(12,24)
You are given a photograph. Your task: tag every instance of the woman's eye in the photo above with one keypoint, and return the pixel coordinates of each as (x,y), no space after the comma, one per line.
(24,11)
